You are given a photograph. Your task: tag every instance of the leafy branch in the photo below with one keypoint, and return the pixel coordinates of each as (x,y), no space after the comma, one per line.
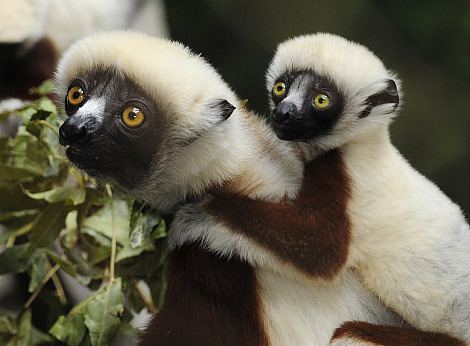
(56,221)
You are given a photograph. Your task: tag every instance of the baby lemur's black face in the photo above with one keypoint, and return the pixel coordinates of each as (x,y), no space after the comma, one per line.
(306,105)
(112,129)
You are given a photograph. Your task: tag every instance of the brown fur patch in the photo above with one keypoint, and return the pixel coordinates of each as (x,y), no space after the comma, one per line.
(392,336)
(210,301)
(19,72)
(312,233)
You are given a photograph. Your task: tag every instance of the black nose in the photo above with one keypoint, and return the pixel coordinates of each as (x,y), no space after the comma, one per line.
(72,132)
(284,112)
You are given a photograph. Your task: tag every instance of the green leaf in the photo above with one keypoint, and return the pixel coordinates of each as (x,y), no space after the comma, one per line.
(147,264)
(7,322)
(70,329)
(103,313)
(25,329)
(34,129)
(26,334)
(129,330)
(99,228)
(99,315)
(159,231)
(47,226)
(69,195)
(47,87)
(64,264)
(15,259)
(141,225)
(39,268)
(15,173)
(69,235)
(17,214)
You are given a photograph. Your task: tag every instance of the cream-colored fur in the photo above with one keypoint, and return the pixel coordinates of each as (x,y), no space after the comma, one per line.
(410,243)
(64,21)
(241,152)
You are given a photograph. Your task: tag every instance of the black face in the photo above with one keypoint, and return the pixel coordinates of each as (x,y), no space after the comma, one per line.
(113,129)
(307,105)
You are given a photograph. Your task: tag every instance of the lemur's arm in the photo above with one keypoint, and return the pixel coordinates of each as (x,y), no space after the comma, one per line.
(363,333)
(312,233)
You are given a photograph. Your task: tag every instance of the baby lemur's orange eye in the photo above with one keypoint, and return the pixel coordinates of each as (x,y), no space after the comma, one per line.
(75,96)
(132,117)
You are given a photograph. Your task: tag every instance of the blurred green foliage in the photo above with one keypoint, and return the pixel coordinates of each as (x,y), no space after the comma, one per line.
(427,43)
(57,218)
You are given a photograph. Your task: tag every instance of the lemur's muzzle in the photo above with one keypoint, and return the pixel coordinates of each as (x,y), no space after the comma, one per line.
(284,112)
(74,132)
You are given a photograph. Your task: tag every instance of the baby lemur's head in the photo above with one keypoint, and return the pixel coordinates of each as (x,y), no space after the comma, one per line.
(326,90)
(147,115)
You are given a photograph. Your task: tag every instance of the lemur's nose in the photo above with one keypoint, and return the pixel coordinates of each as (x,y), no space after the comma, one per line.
(72,132)
(284,112)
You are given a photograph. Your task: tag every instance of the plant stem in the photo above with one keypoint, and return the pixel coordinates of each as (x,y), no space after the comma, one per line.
(148,301)
(113,235)
(44,280)
(59,289)
(46,124)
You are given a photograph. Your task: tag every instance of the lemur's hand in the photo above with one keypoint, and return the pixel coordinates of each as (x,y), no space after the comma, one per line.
(191,223)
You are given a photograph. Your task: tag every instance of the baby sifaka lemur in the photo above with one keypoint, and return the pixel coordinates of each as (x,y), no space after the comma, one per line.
(361,207)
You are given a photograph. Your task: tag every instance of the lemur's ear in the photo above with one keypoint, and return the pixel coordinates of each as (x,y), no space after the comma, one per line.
(223,108)
(386,95)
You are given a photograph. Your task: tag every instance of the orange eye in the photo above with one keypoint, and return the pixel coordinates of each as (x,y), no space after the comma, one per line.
(132,117)
(75,96)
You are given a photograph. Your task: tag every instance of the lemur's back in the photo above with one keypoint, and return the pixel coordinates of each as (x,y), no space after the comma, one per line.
(407,231)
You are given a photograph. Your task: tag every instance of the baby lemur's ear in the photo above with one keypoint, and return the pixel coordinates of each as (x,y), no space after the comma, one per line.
(386,93)
(222,108)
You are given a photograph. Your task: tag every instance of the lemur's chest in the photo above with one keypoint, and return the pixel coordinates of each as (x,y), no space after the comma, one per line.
(215,301)
(307,313)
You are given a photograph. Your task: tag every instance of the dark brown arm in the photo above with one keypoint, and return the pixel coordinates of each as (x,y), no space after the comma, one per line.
(362,333)
(312,232)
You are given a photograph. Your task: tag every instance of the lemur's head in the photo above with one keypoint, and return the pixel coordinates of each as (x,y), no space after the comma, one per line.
(325,90)
(147,115)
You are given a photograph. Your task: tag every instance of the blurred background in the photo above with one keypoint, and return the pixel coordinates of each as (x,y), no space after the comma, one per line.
(427,43)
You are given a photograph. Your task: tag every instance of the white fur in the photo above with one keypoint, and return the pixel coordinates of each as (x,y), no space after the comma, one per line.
(351,341)
(411,244)
(64,21)
(21,20)
(183,95)
(297,92)
(355,70)
(93,108)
